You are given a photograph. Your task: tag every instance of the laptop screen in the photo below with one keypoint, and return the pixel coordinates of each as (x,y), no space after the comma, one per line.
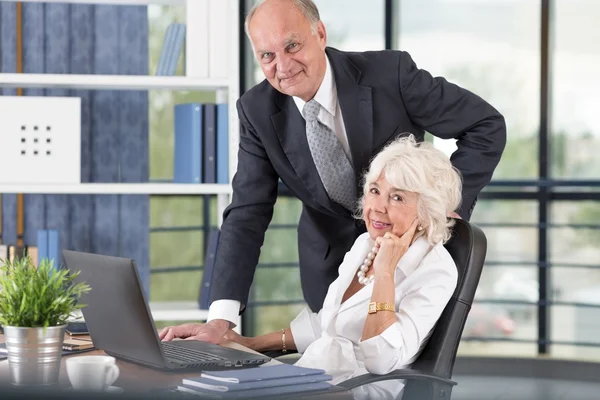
(117,313)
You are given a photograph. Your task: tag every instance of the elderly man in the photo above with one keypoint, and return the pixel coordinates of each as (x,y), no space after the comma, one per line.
(316,121)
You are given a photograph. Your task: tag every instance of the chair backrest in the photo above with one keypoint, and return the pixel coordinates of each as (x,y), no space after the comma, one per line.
(467,247)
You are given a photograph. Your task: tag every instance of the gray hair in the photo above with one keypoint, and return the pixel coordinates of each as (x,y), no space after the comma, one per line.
(425,170)
(307,7)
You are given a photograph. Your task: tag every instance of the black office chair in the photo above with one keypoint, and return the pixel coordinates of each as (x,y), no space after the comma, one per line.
(430,375)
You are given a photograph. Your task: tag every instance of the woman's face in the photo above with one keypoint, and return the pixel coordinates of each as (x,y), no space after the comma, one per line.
(388,209)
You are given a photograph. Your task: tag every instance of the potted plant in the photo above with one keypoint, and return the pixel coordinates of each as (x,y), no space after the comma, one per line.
(35,303)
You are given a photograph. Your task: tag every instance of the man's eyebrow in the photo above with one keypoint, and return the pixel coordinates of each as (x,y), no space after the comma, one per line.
(294,37)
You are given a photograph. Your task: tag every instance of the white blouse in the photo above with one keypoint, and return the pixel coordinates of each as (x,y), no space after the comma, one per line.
(425,279)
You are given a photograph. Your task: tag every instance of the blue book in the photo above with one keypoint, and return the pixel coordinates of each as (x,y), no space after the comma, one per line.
(165,51)
(188,143)
(42,244)
(53,248)
(279,371)
(166,45)
(222,143)
(209,264)
(261,393)
(210,144)
(175,50)
(210,385)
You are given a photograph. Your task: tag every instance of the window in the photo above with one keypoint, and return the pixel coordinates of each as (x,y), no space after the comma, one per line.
(575,85)
(490,48)
(496,55)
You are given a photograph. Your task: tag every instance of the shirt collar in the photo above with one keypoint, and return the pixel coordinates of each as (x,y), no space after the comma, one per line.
(326,95)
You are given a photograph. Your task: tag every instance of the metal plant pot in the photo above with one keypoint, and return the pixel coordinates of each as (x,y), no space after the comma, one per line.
(34,354)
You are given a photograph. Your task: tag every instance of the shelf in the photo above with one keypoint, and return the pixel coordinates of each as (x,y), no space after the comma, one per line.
(111,82)
(119,188)
(112,2)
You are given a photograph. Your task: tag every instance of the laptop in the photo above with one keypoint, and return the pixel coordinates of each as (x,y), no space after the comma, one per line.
(120,323)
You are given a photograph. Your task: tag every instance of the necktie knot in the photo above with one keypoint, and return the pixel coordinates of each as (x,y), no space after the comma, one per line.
(311,110)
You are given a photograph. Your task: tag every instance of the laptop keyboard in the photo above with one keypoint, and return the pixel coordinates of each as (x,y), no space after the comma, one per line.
(187,355)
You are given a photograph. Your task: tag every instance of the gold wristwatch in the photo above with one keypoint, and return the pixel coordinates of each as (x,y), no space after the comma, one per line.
(374,307)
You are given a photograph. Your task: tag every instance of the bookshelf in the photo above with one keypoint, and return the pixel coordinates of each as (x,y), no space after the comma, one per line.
(111,2)
(198,78)
(121,188)
(213,31)
(111,82)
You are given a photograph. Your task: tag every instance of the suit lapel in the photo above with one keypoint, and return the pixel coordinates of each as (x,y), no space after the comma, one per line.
(291,132)
(357,111)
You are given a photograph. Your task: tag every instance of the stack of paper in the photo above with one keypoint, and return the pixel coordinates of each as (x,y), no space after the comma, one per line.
(275,380)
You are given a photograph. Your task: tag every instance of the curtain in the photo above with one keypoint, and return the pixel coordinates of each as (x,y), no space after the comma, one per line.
(88,39)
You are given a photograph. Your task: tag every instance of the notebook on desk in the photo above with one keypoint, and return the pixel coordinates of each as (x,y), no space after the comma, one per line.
(66,351)
(120,323)
(274,380)
(256,378)
(271,372)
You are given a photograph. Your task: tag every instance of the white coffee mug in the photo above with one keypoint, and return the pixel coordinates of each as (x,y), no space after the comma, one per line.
(95,373)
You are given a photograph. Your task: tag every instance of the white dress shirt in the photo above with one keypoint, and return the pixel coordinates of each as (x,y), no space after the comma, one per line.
(425,279)
(329,115)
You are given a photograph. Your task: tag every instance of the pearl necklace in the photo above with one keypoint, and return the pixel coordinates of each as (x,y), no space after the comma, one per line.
(364,268)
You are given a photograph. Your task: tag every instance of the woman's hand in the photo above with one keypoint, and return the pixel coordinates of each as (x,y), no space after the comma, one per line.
(237,338)
(391,249)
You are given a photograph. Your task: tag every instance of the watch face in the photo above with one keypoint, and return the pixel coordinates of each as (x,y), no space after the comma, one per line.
(372,308)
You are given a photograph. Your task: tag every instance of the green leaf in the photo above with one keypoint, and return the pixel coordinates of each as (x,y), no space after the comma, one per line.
(37,297)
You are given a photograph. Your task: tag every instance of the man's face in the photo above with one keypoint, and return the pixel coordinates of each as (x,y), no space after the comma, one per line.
(291,57)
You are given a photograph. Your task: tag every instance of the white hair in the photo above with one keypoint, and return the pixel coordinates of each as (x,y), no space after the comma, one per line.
(307,7)
(425,170)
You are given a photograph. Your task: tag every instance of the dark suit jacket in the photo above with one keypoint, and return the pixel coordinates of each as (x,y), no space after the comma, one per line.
(382,94)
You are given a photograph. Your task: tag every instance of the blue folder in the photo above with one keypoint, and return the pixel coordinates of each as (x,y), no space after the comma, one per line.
(209,264)
(263,392)
(279,371)
(210,385)
(222,143)
(187,166)
(53,248)
(49,246)
(42,244)
(209,136)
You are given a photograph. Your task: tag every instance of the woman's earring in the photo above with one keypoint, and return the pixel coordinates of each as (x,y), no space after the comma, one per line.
(419,228)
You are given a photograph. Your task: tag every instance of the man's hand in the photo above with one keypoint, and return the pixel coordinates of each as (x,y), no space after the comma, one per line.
(211,332)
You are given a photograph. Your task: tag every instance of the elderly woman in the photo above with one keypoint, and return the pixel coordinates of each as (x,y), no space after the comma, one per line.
(396,279)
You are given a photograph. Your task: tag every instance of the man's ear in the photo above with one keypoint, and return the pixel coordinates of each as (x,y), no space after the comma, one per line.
(322,34)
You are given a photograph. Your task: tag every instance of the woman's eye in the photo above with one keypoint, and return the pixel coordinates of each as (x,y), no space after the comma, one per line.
(373,191)
(396,197)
